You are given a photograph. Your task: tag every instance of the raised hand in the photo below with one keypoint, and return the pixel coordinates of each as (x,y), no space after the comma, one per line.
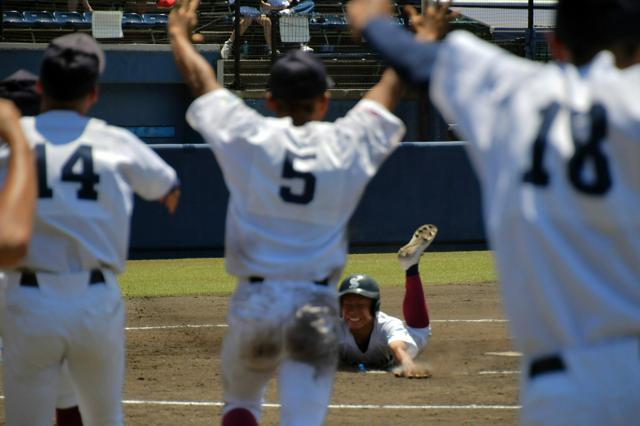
(433,24)
(183,18)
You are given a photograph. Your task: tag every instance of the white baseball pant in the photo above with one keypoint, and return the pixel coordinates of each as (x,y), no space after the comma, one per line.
(592,386)
(63,319)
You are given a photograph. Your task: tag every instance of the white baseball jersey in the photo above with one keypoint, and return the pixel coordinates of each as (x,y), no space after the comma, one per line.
(386,329)
(293,189)
(556,148)
(88,171)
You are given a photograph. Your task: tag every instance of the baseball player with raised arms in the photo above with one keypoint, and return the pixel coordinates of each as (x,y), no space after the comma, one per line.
(20,88)
(294,182)
(556,148)
(18,195)
(370,338)
(63,303)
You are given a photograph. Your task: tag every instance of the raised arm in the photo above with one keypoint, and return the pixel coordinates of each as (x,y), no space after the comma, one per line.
(18,197)
(196,71)
(388,91)
(412,56)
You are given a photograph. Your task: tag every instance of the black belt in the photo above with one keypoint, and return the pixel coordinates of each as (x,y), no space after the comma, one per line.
(548,364)
(256,280)
(30,279)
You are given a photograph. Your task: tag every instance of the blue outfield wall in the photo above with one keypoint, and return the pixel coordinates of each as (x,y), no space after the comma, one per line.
(420,183)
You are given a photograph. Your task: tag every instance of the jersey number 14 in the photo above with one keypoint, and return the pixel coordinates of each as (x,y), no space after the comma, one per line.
(86,177)
(588,150)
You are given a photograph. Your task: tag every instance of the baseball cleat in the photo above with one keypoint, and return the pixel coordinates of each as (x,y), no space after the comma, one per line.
(410,253)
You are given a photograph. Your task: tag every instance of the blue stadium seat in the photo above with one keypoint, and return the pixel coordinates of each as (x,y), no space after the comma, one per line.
(155,19)
(130,19)
(70,19)
(88,17)
(12,18)
(39,19)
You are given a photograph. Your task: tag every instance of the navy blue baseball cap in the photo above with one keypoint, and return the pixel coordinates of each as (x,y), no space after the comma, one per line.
(298,75)
(20,87)
(71,66)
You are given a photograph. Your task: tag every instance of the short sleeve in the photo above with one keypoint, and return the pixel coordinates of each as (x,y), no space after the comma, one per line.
(395,331)
(470,78)
(149,175)
(222,118)
(371,132)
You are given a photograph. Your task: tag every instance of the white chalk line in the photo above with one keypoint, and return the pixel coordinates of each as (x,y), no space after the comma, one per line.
(331,406)
(336,406)
(180,326)
(504,372)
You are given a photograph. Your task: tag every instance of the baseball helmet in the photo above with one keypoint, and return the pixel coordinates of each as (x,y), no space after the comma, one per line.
(362,285)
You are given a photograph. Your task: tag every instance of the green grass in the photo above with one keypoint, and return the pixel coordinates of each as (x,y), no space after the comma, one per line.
(183,277)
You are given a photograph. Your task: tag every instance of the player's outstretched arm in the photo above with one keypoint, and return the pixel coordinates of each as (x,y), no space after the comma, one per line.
(18,197)
(412,56)
(196,71)
(407,367)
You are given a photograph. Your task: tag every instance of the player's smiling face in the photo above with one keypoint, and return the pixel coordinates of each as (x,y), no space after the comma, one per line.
(356,311)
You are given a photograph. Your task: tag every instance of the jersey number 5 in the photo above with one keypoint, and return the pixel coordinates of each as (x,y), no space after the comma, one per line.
(307,178)
(588,150)
(86,178)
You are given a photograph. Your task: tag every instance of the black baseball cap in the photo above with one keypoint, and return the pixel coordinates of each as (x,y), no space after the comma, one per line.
(20,87)
(71,66)
(298,75)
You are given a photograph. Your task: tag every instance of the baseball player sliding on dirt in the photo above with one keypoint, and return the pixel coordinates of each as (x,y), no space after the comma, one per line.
(371,339)
(294,182)
(556,147)
(63,302)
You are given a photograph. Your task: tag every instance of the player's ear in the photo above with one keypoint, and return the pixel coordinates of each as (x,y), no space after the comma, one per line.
(559,50)
(39,87)
(270,103)
(95,92)
(322,106)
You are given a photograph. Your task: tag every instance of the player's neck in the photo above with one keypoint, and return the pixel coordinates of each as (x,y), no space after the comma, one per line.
(81,106)
(362,335)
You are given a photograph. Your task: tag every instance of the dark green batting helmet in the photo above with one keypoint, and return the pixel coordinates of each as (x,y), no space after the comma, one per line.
(362,285)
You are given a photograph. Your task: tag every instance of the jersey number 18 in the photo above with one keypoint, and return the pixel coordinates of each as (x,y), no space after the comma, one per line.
(588,149)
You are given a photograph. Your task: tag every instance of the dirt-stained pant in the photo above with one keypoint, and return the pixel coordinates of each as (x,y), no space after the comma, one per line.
(289,327)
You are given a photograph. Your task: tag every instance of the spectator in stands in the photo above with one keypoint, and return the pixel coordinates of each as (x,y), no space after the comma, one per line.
(73,5)
(299,7)
(253,14)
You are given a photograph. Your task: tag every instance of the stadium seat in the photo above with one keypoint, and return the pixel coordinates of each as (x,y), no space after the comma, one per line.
(130,19)
(39,19)
(70,19)
(328,21)
(155,19)
(88,17)
(12,17)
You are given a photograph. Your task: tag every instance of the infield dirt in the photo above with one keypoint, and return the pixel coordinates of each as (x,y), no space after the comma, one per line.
(182,364)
